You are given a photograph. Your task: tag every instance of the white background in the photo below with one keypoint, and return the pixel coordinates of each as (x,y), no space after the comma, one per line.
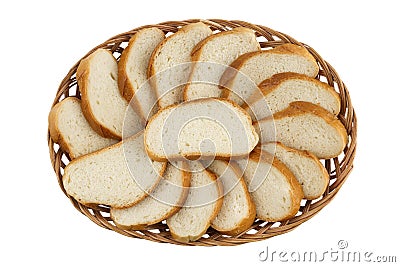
(41,40)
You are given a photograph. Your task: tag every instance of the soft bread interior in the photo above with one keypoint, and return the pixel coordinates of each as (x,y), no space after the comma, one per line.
(305,126)
(307,169)
(238,211)
(166,58)
(70,128)
(218,51)
(103,106)
(118,176)
(258,66)
(205,127)
(299,88)
(193,220)
(163,202)
(273,191)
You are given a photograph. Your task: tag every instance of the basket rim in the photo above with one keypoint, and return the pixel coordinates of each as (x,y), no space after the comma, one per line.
(338,169)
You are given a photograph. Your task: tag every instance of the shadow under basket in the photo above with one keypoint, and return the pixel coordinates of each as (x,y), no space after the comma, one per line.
(338,168)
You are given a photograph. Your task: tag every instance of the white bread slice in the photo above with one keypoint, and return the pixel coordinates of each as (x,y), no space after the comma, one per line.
(166,199)
(273,187)
(132,71)
(119,176)
(283,88)
(201,206)
(186,131)
(102,104)
(222,49)
(306,167)
(238,211)
(255,67)
(69,128)
(305,126)
(173,51)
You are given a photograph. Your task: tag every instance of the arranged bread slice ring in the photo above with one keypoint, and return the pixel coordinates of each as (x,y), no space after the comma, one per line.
(238,211)
(221,49)
(269,116)
(171,52)
(102,104)
(255,67)
(276,194)
(119,176)
(132,70)
(201,206)
(305,126)
(179,131)
(306,167)
(166,199)
(70,129)
(283,88)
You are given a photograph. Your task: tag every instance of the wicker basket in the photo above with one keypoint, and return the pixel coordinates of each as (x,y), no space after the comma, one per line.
(338,168)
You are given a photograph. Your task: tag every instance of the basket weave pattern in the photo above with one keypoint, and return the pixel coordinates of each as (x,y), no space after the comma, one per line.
(338,168)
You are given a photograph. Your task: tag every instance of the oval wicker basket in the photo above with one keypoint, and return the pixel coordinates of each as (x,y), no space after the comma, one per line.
(338,168)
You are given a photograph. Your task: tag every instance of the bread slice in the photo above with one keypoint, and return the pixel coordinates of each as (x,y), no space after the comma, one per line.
(166,199)
(205,127)
(273,187)
(305,126)
(170,53)
(132,70)
(119,176)
(306,167)
(283,88)
(238,211)
(201,207)
(255,67)
(69,128)
(221,49)
(102,104)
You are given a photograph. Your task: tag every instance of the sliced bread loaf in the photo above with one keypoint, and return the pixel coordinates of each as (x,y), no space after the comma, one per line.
(102,104)
(255,67)
(202,205)
(283,88)
(221,50)
(306,167)
(205,127)
(238,211)
(119,176)
(273,187)
(170,53)
(166,199)
(70,129)
(305,126)
(132,71)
